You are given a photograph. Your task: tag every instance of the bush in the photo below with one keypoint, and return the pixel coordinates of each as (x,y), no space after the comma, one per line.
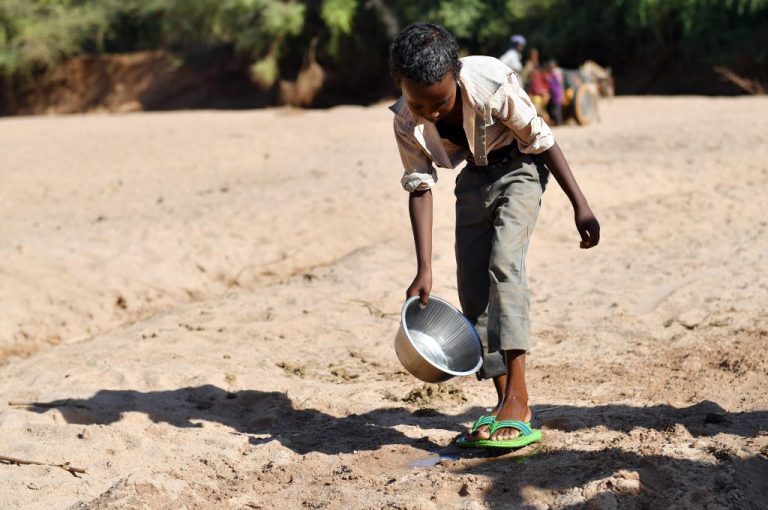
(645,41)
(35,34)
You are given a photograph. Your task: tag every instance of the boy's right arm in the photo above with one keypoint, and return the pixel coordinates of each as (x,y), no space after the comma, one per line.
(419,173)
(420,209)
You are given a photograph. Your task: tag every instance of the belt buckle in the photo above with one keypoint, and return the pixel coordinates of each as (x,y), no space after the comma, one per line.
(499,162)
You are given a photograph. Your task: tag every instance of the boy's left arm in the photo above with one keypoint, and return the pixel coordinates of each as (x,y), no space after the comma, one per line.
(586,223)
(514,108)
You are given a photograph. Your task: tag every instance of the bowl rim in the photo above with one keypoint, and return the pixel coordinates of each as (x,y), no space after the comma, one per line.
(425,357)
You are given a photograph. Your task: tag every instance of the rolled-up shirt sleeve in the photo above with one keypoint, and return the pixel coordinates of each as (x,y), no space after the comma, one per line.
(419,174)
(518,113)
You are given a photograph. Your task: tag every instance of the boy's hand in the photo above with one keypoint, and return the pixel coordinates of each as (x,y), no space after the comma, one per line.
(588,227)
(421,286)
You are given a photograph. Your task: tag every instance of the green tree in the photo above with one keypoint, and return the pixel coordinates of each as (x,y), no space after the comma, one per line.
(256,29)
(35,34)
(646,41)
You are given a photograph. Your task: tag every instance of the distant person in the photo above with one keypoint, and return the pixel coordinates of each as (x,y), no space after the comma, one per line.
(475,110)
(531,65)
(538,89)
(556,87)
(535,81)
(513,57)
(538,84)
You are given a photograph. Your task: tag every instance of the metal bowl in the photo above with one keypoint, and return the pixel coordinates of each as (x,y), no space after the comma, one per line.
(437,342)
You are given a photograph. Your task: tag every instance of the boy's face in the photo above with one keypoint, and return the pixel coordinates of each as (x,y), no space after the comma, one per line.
(433,102)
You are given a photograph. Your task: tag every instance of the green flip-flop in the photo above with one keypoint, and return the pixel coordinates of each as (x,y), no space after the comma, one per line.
(480,422)
(527,435)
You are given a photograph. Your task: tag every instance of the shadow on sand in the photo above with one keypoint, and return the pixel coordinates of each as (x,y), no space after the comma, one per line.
(731,480)
(616,478)
(249,412)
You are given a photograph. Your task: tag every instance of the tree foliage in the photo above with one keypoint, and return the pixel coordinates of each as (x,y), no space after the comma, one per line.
(338,16)
(271,37)
(39,33)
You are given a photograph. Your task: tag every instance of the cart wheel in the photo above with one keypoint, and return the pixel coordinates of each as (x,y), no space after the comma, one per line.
(585,104)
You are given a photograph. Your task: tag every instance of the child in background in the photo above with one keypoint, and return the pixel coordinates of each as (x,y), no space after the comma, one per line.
(531,65)
(475,109)
(537,87)
(555,84)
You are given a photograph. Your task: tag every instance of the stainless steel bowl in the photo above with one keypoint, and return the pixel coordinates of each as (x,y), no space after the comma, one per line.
(437,342)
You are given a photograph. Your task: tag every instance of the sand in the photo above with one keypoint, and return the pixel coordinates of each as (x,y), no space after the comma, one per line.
(199,308)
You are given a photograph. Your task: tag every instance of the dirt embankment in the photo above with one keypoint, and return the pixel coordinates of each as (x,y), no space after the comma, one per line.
(157,80)
(138,81)
(216,79)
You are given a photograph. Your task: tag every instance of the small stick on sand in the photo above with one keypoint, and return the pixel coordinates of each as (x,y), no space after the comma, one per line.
(65,466)
(46,404)
(373,309)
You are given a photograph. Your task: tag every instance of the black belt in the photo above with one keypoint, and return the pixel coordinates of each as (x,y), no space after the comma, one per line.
(496,158)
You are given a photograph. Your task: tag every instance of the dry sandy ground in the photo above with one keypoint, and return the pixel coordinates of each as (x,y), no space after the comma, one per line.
(199,310)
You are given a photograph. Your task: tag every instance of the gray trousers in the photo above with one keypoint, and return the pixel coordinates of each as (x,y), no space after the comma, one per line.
(496,211)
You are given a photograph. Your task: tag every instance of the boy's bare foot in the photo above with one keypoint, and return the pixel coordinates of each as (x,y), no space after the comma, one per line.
(512,409)
(515,405)
(513,400)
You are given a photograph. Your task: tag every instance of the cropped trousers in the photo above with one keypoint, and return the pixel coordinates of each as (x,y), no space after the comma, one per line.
(496,211)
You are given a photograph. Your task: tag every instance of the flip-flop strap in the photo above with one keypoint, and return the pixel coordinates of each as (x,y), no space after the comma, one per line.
(524,428)
(482,421)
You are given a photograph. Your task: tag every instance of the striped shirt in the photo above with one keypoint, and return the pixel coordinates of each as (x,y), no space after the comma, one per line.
(496,112)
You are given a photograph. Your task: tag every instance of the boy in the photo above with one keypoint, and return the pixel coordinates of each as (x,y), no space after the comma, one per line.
(474,109)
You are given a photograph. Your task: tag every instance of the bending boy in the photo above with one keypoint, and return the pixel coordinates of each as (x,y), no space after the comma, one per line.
(475,109)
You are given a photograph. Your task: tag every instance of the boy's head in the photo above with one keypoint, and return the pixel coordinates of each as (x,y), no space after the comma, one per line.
(424,61)
(424,53)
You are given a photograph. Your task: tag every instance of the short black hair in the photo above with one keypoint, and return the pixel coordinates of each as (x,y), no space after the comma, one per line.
(424,53)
